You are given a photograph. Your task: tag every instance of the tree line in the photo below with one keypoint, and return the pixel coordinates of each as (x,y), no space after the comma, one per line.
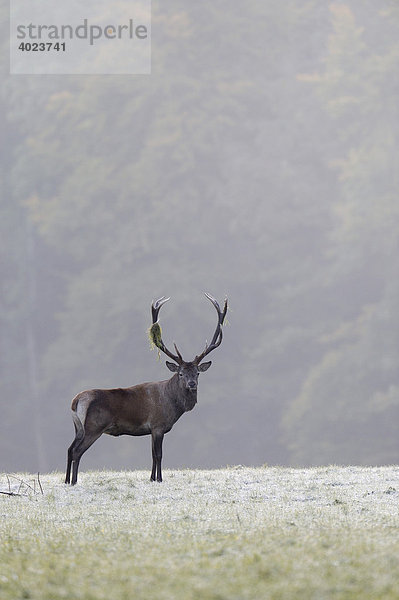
(258,161)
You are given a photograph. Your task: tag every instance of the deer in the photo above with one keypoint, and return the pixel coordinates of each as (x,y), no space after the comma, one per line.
(143,409)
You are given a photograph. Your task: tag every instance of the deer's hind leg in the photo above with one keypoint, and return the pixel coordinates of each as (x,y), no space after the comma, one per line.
(78,451)
(79,436)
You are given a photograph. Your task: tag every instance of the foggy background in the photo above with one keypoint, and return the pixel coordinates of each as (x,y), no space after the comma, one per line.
(258,161)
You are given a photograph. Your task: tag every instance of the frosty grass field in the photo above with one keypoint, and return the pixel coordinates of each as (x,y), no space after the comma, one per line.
(235,533)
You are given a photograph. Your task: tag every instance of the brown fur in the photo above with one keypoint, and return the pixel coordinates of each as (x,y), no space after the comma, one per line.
(144,409)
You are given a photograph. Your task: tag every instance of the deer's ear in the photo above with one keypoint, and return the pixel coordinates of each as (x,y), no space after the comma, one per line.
(205,366)
(172,366)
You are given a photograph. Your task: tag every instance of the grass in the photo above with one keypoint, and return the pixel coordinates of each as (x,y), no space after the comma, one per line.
(238,533)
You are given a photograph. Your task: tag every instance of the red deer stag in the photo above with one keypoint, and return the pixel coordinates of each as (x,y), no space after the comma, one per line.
(144,409)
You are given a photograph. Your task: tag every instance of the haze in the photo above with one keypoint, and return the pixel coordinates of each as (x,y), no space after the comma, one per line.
(258,161)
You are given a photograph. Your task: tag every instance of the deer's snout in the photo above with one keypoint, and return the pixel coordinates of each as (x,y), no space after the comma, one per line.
(192,385)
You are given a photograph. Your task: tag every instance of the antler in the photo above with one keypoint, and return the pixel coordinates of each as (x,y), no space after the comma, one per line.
(156,334)
(218,335)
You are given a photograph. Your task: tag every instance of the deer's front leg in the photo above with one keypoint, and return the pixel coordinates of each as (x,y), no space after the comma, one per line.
(156,473)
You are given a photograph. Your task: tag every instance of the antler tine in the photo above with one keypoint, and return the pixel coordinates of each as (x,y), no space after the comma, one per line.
(213,300)
(218,335)
(156,305)
(177,352)
(155,308)
(215,303)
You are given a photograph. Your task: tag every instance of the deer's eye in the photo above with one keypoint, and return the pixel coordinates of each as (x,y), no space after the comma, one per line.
(180,374)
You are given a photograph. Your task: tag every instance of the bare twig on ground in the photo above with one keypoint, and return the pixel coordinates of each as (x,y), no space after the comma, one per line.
(24,488)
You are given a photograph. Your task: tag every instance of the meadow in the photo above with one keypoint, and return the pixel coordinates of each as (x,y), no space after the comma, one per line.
(236,533)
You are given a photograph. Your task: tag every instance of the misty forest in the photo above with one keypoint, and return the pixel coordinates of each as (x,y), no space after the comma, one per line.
(258,162)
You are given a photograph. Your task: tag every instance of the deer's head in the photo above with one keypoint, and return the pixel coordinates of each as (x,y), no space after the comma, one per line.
(187,372)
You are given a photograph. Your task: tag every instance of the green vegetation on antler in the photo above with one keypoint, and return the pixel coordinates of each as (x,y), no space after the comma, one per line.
(155,337)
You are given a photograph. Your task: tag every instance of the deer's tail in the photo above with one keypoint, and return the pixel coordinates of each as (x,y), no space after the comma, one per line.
(80,404)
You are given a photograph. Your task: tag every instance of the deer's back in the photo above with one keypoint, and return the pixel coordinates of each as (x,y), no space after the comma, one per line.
(132,411)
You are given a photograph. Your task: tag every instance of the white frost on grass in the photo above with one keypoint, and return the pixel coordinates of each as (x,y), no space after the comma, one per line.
(225,499)
(291,530)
